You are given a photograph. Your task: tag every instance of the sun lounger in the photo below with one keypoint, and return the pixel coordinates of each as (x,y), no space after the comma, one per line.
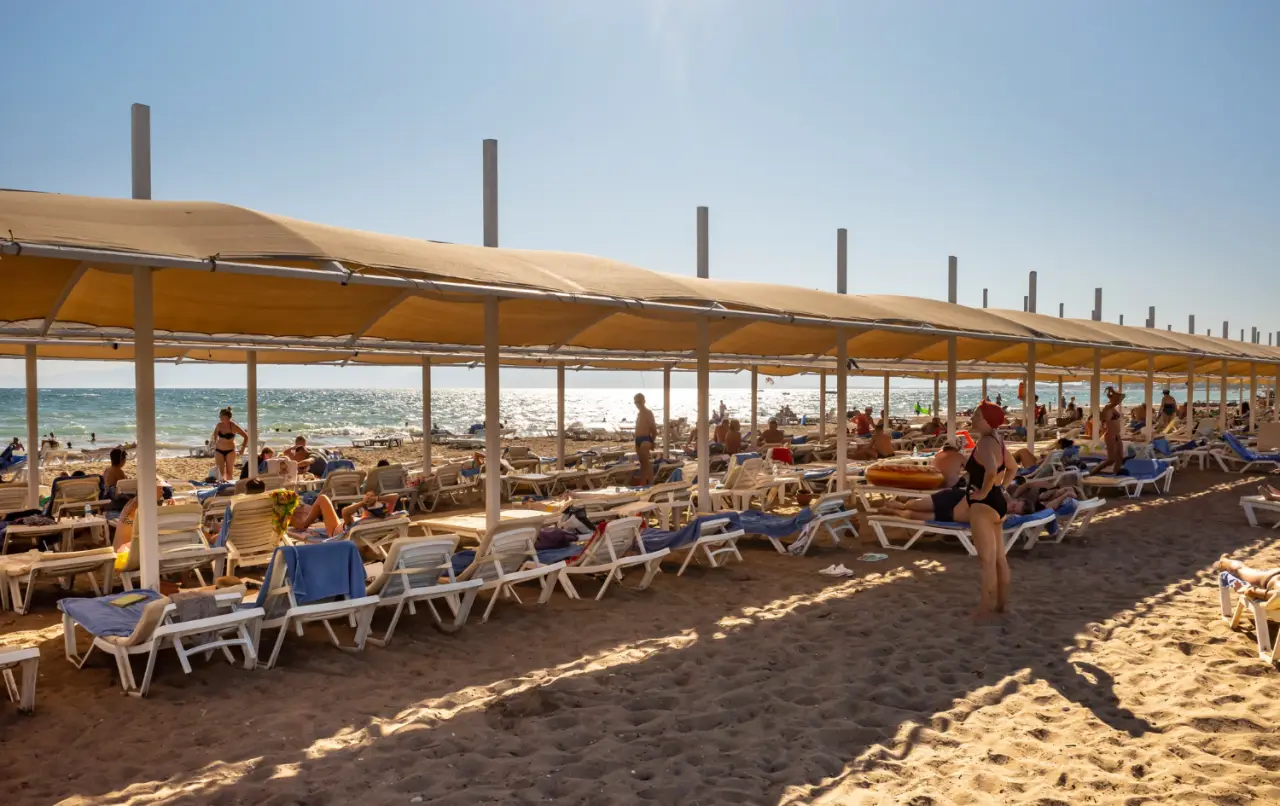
(1137,475)
(182,545)
(522,457)
(1015,527)
(419,570)
(392,479)
(832,517)
(610,552)
(377,534)
(322,582)
(866,493)
(1264,605)
(445,481)
(13,498)
(34,567)
(1246,457)
(249,533)
(147,626)
(1253,504)
(506,558)
(71,495)
(1073,517)
(27,661)
(343,487)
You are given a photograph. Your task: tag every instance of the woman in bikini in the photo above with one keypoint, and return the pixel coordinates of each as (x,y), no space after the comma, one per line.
(1112,424)
(987,468)
(224,444)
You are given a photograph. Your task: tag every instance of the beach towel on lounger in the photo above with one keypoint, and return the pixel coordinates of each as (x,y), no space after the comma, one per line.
(99,617)
(462,560)
(319,571)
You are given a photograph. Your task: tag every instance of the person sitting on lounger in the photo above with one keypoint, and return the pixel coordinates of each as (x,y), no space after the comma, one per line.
(115,473)
(333,524)
(266,453)
(124,526)
(733,438)
(880,447)
(1025,499)
(772,435)
(862,423)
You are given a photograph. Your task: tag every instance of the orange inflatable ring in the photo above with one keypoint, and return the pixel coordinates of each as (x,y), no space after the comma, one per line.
(904,476)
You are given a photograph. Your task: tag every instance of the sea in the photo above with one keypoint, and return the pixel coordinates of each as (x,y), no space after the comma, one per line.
(333,417)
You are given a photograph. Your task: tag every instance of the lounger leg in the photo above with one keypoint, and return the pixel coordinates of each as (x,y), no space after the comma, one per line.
(275,651)
(1224,597)
(493,600)
(29,669)
(26,598)
(1263,629)
(151,665)
(609,577)
(125,669)
(567,584)
(460,615)
(364,625)
(651,570)
(549,587)
(391,628)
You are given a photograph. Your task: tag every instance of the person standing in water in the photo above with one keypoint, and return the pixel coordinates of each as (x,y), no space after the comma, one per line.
(224,444)
(646,438)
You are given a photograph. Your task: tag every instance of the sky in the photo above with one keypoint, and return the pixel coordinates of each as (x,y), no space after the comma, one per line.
(1128,145)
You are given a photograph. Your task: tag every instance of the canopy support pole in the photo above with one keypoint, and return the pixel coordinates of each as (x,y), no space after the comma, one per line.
(251,393)
(1222,402)
(885,415)
(1062,404)
(666,412)
(560,415)
(1150,392)
(755,405)
(842,393)
(951,390)
(34,448)
(1029,404)
(492,416)
(146,535)
(1274,398)
(704,416)
(426,416)
(822,406)
(937,396)
(1095,397)
(1191,396)
(1253,396)
(984,387)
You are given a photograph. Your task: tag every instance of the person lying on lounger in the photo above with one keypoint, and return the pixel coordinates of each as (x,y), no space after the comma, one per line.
(1025,458)
(372,506)
(1264,579)
(1027,498)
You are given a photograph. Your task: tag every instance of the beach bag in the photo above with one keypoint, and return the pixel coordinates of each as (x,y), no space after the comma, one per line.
(553,537)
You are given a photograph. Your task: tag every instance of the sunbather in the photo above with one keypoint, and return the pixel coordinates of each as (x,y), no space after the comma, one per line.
(372,506)
(880,447)
(115,473)
(1266,579)
(1025,458)
(1026,498)
(224,444)
(733,438)
(772,435)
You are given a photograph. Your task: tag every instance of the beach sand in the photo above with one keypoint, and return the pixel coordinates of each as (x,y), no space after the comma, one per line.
(760,683)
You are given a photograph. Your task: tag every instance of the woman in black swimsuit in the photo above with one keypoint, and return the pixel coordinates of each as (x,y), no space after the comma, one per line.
(987,507)
(224,444)
(1112,422)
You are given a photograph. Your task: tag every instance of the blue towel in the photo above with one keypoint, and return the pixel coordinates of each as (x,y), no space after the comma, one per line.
(1245,453)
(102,619)
(319,571)
(462,560)
(1010,522)
(799,440)
(1161,446)
(656,539)
(337,464)
(1144,469)
(742,457)
(751,522)
(204,495)
(225,529)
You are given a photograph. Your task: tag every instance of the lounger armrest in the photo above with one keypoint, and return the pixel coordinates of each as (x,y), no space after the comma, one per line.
(220,621)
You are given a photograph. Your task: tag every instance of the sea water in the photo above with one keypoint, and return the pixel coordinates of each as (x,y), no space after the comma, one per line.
(185,417)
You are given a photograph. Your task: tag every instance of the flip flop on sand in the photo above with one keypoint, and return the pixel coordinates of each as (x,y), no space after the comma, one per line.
(836,571)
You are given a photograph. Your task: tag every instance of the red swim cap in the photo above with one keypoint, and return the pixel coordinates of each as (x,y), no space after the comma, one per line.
(993,414)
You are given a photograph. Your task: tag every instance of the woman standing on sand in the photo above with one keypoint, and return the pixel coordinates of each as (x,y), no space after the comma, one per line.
(224,444)
(987,468)
(1112,423)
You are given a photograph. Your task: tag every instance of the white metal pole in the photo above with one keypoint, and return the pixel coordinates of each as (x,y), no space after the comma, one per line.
(1150,427)
(34,450)
(1061,405)
(1029,405)
(1253,397)
(704,415)
(755,406)
(251,395)
(984,387)
(822,406)
(560,415)
(140,142)
(1095,395)
(146,535)
(886,402)
(666,413)
(937,395)
(952,294)
(1191,395)
(492,419)
(842,407)
(1222,401)
(426,415)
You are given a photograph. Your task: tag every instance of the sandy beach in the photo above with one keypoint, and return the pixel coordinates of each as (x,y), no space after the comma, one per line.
(761,683)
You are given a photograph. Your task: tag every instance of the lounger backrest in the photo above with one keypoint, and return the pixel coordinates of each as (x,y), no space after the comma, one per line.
(178,530)
(373,531)
(713,527)
(617,541)
(13,497)
(827,504)
(430,556)
(270,481)
(127,487)
(748,471)
(1236,445)
(519,452)
(391,477)
(446,476)
(511,549)
(671,491)
(252,531)
(72,492)
(345,483)
(152,616)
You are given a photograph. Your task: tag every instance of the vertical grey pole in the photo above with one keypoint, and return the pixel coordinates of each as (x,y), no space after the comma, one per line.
(560,415)
(146,533)
(704,369)
(34,448)
(822,405)
(140,142)
(1191,395)
(937,395)
(1191,324)
(666,412)
(1122,319)
(842,408)
(1097,304)
(885,416)
(1095,386)
(1151,316)
(1253,397)
(755,405)
(953,281)
(704,243)
(251,397)
(842,261)
(1222,399)
(426,416)
(1149,428)
(1031,292)
(1062,310)
(490,192)
(1225,328)
(1025,306)
(984,297)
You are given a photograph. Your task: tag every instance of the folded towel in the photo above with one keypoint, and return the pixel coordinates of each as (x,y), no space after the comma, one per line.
(193,606)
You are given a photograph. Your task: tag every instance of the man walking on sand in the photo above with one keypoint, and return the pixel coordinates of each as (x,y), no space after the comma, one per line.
(646,436)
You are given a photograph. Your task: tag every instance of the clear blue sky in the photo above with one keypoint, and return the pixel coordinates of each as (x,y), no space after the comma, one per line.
(1131,145)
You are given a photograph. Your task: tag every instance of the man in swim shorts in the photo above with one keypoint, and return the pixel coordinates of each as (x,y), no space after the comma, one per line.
(646,437)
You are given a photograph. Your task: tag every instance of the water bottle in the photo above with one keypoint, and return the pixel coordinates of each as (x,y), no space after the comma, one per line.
(88,511)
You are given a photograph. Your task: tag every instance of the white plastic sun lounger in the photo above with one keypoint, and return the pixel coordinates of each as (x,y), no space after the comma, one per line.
(156,630)
(1075,523)
(506,558)
(610,553)
(182,545)
(1132,486)
(1014,529)
(717,543)
(1264,610)
(419,570)
(17,570)
(27,661)
(1255,503)
(832,518)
